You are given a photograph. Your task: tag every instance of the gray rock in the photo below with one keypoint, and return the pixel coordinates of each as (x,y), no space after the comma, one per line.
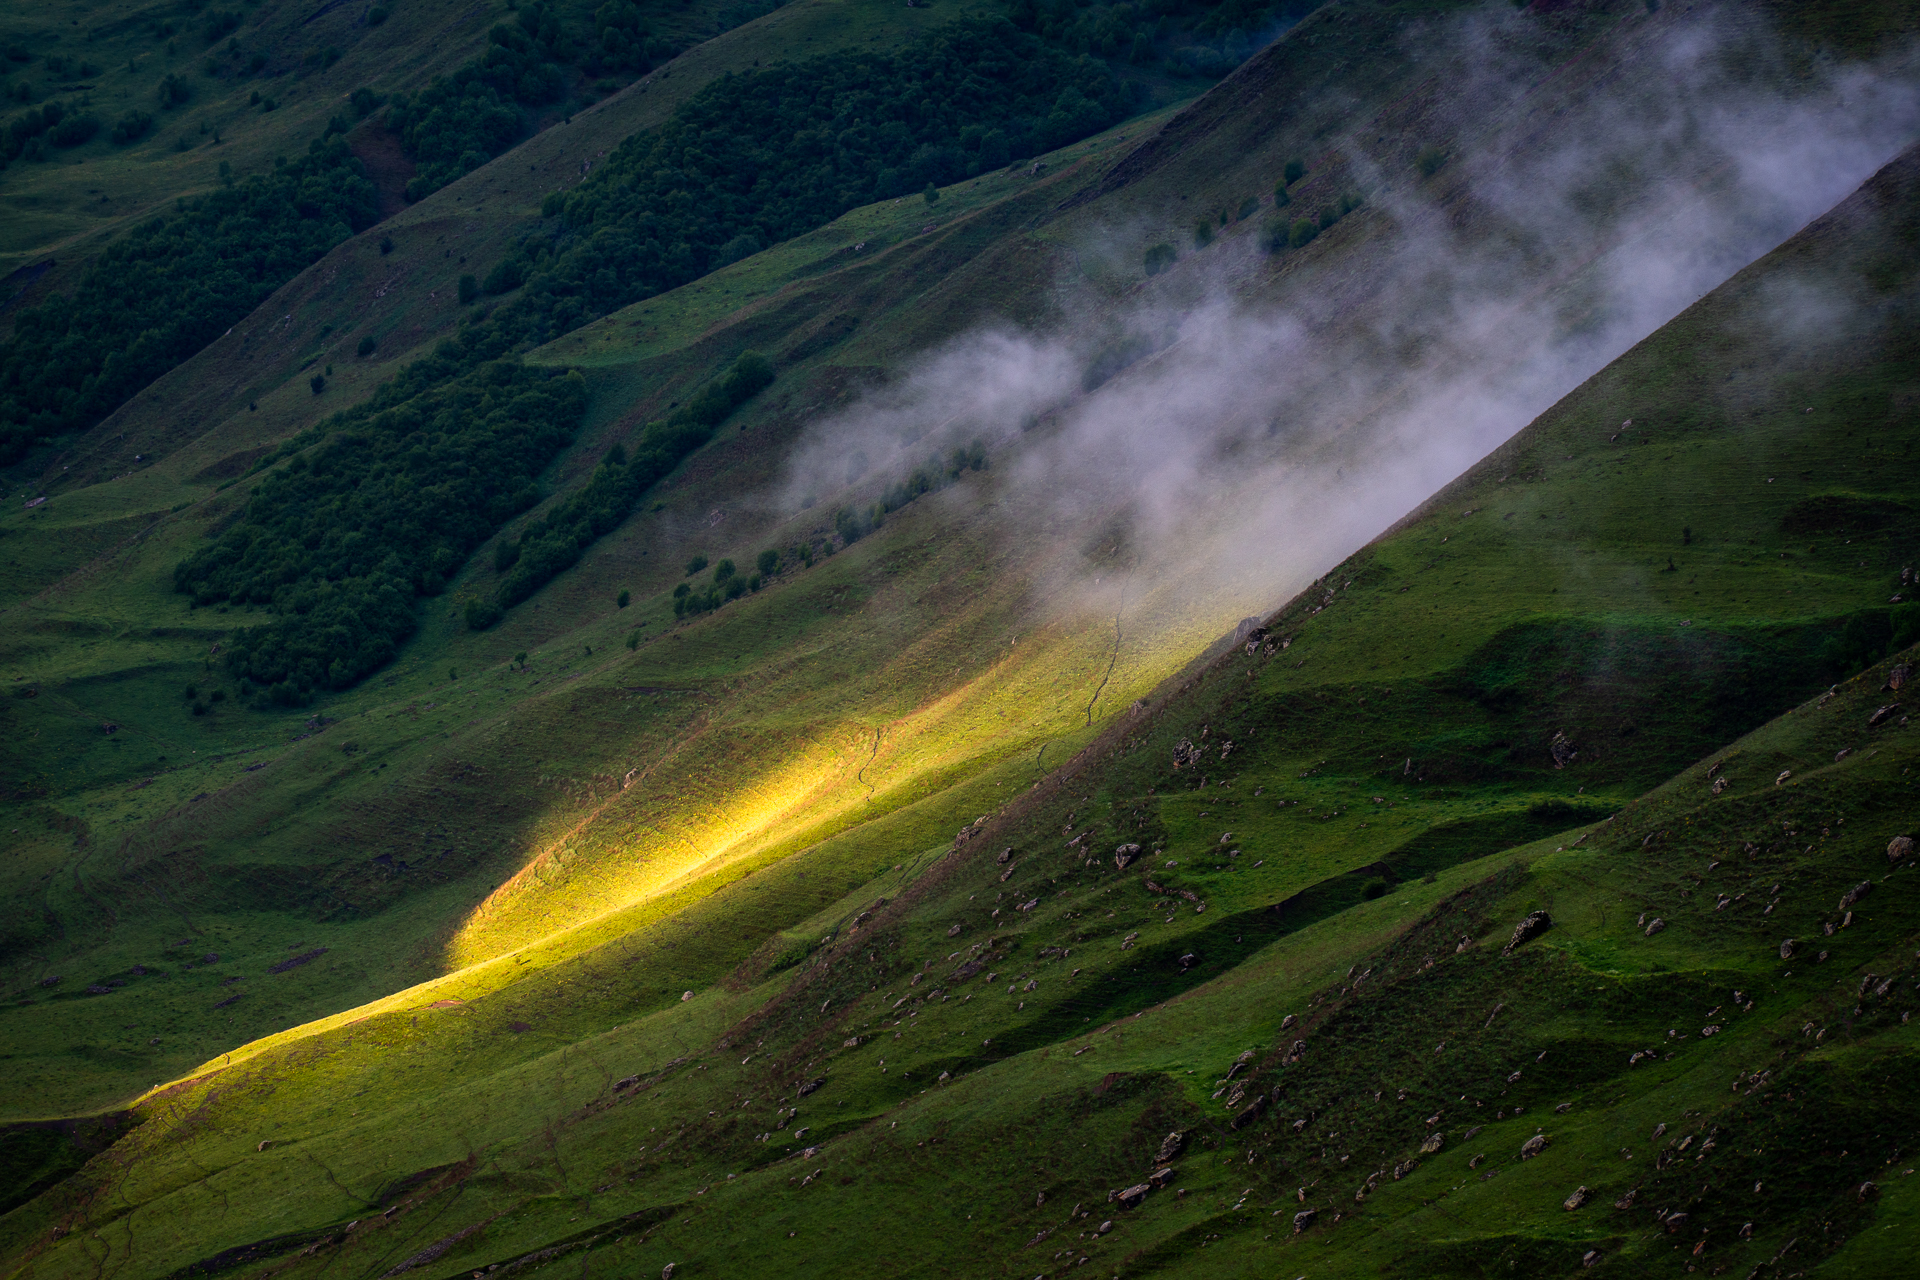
(1286,1023)
(1536,923)
(1899,847)
(1534,1146)
(1161,1177)
(1655,926)
(1786,949)
(1104,1227)
(1004,855)
(1577,1200)
(1882,714)
(666,1272)
(1591,1258)
(1675,1221)
(1562,751)
(1184,754)
(1854,894)
(1304,1219)
(1125,854)
(1132,1196)
(1170,1146)
(1249,1114)
(1898,677)
(1867,1191)
(1434,1142)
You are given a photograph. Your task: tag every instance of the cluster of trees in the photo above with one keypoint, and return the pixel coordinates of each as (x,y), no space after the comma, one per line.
(28,134)
(461,121)
(757,158)
(376,507)
(851,525)
(622,42)
(171,286)
(555,542)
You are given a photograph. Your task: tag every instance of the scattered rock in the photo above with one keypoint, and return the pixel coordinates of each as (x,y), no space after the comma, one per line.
(1577,1200)
(1171,1146)
(811,1085)
(1786,949)
(1404,1168)
(1625,1202)
(1854,894)
(1104,1227)
(1249,1114)
(1867,1191)
(1161,1177)
(1125,854)
(1655,926)
(1286,1023)
(1184,754)
(1719,785)
(1132,1196)
(1882,714)
(1899,847)
(1534,1146)
(1898,677)
(1675,1221)
(264,1144)
(1304,1219)
(1433,1143)
(1562,751)
(1784,775)
(954,932)
(666,1272)
(1004,855)
(1536,923)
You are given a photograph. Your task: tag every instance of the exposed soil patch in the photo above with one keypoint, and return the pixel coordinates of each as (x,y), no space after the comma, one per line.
(387,165)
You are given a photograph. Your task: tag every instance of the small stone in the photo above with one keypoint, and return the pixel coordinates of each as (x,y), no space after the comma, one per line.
(1286,1023)
(1534,1146)
(1867,1191)
(1004,855)
(1171,1146)
(1304,1219)
(954,932)
(1899,847)
(1132,1196)
(1655,926)
(1161,1177)
(1433,1143)
(1784,775)
(1881,715)
(1854,894)
(1675,1221)
(1105,1227)
(1786,949)
(1590,1258)
(1898,677)
(1577,1200)
(666,1272)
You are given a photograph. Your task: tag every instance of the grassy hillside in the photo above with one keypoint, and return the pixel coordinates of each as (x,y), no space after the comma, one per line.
(541,945)
(586,1108)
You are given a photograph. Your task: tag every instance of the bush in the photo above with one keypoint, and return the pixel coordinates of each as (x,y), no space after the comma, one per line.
(1160,257)
(622,600)
(376,15)
(318,382)
(1203,233)
(1374,889)
(1301,233)
(768,563)
(1273,236)
(506,276)
(173,91)
(386,245)
(722,572)
(363,101)
(1248,207)
(633,640)
(469,290)
(1430,161)
(931,194)
(1292,172)
(74,130)
(481,614)
(1281,199)
(367,344)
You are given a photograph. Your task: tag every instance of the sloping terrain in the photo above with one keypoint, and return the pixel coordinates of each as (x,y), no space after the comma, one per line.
(610,936)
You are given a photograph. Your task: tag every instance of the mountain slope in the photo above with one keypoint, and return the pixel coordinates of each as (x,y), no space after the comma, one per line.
(582,1110)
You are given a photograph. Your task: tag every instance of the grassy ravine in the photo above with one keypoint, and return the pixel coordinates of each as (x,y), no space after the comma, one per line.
(722,811)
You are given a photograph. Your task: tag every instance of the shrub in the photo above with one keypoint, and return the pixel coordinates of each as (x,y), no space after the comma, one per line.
(363,101)
(1293,172)
(481,614)
(506,276)
(367,344)
(722,572)
(1202,233)
(1301,233)
(1430,161)
(694,566)
(931,195)
(1273,236)
(768,563)
(75,130)
(633,641)
(376,15)
(1281,199)
(173,90)
(622,600)
(1374,889)
(469,290)
(318,382)
(1248,207)
(1160,257)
